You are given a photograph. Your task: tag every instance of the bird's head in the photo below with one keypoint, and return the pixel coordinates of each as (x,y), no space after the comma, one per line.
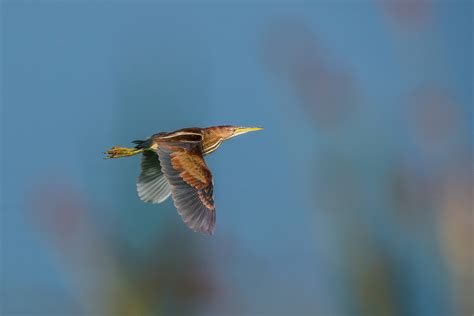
(229,131)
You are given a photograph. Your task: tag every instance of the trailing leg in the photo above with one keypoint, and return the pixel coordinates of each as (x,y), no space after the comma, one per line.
(119,152)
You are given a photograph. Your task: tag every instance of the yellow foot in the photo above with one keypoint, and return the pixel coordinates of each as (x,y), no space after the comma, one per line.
(119,152)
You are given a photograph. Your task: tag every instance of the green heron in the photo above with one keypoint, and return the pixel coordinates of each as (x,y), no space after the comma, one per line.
(173,164)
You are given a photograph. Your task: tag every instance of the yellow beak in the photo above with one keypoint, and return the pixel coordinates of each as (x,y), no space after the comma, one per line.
(243,130)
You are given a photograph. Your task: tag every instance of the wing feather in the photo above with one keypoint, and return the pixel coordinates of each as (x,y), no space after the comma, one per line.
(191,184)
(152,185)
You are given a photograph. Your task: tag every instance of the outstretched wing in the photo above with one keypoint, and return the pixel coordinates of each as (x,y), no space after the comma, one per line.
(152,186)
(191,183)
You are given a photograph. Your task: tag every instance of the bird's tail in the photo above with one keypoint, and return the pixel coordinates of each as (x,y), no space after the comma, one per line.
(119,152)
(141,144)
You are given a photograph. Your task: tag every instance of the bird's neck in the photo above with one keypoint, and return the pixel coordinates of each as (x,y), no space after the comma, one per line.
(210,143)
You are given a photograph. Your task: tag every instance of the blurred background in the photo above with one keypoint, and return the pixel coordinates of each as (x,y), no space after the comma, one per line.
(356,199)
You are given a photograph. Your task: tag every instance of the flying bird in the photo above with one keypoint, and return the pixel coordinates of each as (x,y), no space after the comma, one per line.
(173,164)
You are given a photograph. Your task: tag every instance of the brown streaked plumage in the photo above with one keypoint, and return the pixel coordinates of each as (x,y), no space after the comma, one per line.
(173,164)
